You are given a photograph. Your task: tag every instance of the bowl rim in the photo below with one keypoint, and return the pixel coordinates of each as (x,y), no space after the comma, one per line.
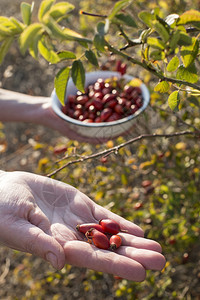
(56,105)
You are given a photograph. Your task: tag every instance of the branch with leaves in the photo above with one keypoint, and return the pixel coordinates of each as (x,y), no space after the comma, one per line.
(169,46)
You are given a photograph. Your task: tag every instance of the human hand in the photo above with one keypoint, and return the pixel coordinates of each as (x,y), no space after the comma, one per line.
(39,215)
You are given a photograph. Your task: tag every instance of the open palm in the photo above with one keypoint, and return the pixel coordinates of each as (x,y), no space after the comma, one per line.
(39,215)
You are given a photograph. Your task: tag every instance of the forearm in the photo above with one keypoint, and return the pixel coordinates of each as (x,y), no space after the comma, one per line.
(17,107)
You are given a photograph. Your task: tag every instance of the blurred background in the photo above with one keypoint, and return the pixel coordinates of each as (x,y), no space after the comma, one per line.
(154,183)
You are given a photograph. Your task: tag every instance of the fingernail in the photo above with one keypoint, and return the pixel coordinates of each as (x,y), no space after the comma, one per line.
(52,258)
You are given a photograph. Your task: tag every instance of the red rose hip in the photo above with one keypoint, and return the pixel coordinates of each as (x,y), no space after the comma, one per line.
(110,226)
(99,239)
(115,242)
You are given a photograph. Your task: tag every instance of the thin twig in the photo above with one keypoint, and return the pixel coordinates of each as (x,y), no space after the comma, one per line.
(116,148)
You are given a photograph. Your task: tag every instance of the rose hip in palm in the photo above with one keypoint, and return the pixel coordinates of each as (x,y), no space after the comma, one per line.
(99,239)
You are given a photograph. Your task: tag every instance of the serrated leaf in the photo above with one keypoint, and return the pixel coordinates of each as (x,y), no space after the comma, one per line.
(50,55)
(44,8)
(60,83)
(147,18)
(117,7)
(173,64)
(161,30)
(174,100)
(99,42)
(78,75)
(27,35)
(26,12)
(162,87)
(90,55)
(187,74)
(66,55)
(155,43)
(5,45)
(60,9)
(190,17)
(189,53)
(125,19)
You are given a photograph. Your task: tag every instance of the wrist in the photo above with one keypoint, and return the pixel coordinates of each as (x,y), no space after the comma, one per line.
(17,107)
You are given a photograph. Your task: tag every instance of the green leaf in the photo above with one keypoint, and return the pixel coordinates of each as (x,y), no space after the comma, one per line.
(19,26)
(33,47)
(189,53)
(44,8)
(102,27)
(50,55)
(162,87)
(60,83)
(64,34)
(63,55)
(155,43)
(78,75)
(5,45)
(124,179)
(173,64)
(147,18)
(161,30)
(194,101)
(174,100)
(26,12)
(117,7)
(184,39)
(175,36)
(60,9)
(27,36)
(190,17)
(8,27)
(99,42)
(157,55)
(125,19)
(188,74)
(89,54)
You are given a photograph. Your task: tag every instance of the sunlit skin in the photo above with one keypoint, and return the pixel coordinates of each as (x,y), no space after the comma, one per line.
(39,215)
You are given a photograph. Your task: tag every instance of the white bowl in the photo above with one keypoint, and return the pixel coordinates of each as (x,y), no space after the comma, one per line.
(103,130)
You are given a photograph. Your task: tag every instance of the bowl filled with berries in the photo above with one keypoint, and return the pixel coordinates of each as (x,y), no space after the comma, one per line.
(107,109)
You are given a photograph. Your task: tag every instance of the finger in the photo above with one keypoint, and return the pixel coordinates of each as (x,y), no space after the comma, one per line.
(140,243)
(26,237)
(151,260)
(130,227)
(82,254)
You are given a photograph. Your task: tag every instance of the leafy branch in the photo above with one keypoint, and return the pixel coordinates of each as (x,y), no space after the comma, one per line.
(169,46)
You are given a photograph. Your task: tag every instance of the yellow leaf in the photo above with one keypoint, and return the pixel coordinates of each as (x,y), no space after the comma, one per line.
(181,146)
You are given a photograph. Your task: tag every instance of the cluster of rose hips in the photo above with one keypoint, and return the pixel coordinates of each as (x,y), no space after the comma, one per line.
(106,100)
(104,234)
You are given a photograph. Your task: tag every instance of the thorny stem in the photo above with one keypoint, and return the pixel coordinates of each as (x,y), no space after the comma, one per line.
(116,148)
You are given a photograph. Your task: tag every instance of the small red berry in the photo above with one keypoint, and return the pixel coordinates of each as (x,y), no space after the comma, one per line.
(115,242)
(85,227)
(110,226)
(99,239)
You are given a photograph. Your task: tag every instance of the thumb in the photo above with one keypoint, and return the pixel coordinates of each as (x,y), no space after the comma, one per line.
(26,237)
